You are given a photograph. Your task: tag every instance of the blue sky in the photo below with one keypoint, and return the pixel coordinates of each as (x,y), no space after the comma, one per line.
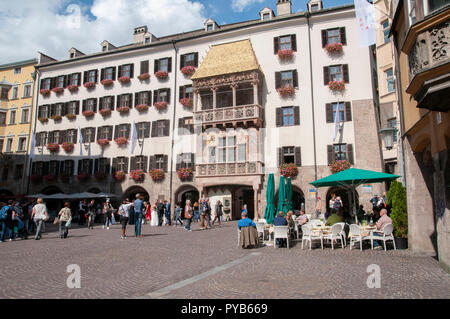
(55,26)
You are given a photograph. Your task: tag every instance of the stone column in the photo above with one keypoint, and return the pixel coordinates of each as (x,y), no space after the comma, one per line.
(214,90)
(234,87)
(256,201)
(255,84)
(195,100)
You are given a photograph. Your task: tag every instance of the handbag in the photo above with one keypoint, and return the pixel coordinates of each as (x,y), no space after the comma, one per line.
(68,223)
(56,221)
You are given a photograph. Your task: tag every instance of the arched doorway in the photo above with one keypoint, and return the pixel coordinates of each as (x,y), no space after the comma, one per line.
(5,195)
(94,190)
(131,192)
(346,197)
(298,198)
(184,193)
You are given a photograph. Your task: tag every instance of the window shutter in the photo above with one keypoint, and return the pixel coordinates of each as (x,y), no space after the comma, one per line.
(52,110)
(62,137)
(116,131)
(279,116)
(169,65)
(196,59)
(298,156)
(127,134)
(192,165)
(166,127)
(181,93)
(115,160)
(136,99)
(350,153)
(146,129)
(99,132)
(132,70)
(96,76)
(152,163)
(343,36)
(155,96)
(295,78)
(126,165)
(101,103)
(79,78)
(330,154)
(182,57)
(67,81)
(79,166)
(119,73)
(165,163)
(276,45)
(154,129)
(156,66)
(133,163)
(95,105)
(108,166)
(91,166)
(53,83)
(277,80)
(96,165)
(180,126)
(294,42)
(280,156)
(324,38)
(145,163)
(326,75)
(144,67)
(348,112)
(75,136)
(329,112)
(65,107)
(45,168)
(110,133)
(168,96)
(85,76)
(93,135)
(296,115)
(77,111)
(130,98)
(118,101)
(41,86)
(345,71)
(150,97)
(114,73)
(102,74)
(61,167)
(178,166)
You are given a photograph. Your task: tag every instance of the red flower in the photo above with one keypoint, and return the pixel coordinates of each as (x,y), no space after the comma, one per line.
(56,117)
(285,54)
(105,112)
(336,85)
(185,173)
(142,107)
(138,175)
(43,119)
(88,113)
(339,166)
(106,82)
(157,174)
(44,92)
(144,76)
(53,147)
(67,146)
(58,90)
(289,170)
(89,85)
(161,74)
(160,105)
(286,91)
(123,109)
(70,116)
(188,70)
(103,142)
(124,79)
(187,102)
(72,88)
(121,140)
(119,176)
(334,48)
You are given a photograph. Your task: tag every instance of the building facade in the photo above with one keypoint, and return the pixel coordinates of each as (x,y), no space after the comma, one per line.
(232,103)
(421,33)
(16,109)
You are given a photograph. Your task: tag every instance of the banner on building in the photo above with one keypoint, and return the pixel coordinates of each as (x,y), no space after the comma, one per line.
(32,145)
(365,17)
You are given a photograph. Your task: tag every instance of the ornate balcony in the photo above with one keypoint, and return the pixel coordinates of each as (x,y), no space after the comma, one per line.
(229,169)
(233,115)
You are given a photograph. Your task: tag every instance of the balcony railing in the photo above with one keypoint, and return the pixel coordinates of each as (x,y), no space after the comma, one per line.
(233,114)
(229,169)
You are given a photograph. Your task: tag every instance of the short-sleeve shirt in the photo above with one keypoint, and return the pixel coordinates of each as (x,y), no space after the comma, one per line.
(138,206)
(247,222)
(384,220)
(40,210)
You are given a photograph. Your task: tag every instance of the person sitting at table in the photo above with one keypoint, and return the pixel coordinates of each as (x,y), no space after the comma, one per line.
(280,220)
(248,236)
(245,221)
(289,219)
(302,219)
(384,220)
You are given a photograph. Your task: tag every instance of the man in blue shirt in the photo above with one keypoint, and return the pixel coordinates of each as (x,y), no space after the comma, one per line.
(168,212)
(138,205)
(245,221)
(280,220)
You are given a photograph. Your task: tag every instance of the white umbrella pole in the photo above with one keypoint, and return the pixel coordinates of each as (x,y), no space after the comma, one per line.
(354,204)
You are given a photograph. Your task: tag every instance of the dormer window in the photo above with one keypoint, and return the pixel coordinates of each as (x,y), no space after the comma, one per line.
(209,27)
(72,55)
(314,7)
(147,40)
(266,16)
(105,48)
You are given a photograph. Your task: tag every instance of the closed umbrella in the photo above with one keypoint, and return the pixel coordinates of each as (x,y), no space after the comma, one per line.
(289,204)
(270,197)
(282,196)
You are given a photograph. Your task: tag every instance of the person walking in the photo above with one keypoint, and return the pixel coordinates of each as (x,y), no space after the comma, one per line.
(148,212)
(168,212)
(160,207)
(7,216)
(131,213)
(208,213)
(39,215)
(178,211)
(91,214)
(202,209)
(138,215)
(219,212)
(82,211)
(124,211)
(196,212)
(107,214)
(318,210)
(188,215)
(65,218)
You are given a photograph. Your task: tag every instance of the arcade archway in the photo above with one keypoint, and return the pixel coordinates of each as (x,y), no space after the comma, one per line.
(298,198)
(131,192)
(184,193)
(346,197)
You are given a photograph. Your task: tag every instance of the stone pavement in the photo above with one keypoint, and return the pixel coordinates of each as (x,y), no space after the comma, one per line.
(170,262)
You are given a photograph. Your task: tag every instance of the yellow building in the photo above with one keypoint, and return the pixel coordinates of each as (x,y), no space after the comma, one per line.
(16,109)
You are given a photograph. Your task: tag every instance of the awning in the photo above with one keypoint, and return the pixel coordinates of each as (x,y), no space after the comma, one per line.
(83,195)
(354,177)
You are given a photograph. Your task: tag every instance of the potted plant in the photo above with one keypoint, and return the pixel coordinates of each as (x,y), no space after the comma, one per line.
(137,175)
(157,174)
(105,112)
(53,147)
(67,146)
(58,90)
(336,85)
(123,109)
(103,142)
(286,91)
(187,102)
(36,178)
(160,105)
(289,170)
(106,82)
(161,74)
(396,199)
(71,116)
(56,117)
(124,79)
(100,176)
(188,70)
(142,107)
(44,92)
(43,119)
(119,176)
(82,177)
(185,174)
(88,113)
(339,166)
(50,177)
(285,54)
(72,88)
(144,76)
(89,85)
(334,48)
(121,140)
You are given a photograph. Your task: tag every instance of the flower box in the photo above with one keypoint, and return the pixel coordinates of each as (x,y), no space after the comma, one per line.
(88,113)
(187,102)
(336,85)
(285,54)
(339,166)
(334,48)
(44,92)
(43,119)
(161,74)
(58,90)
(36,178)
(160,105)
(56,117)
(105,112)
(50,177)
(185,174)
(289,170)
(137,175)
(124,79)
(71,116)
(89,85)
(100,176)
(188,70)
(67,146)
(123,109)
(103,142)
(53,147)
(72,88)
(106,82)
(142,107)
(286,91)
(119,176)
(121,140)
(157,174)
(144,76)
(83,177)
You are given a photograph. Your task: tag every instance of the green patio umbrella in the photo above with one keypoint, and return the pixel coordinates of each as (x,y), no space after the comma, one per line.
(270,197)
(282,196)
(289,204)
(352,178)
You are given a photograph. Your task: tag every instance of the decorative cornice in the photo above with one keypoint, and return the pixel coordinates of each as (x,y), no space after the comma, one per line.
(227,79)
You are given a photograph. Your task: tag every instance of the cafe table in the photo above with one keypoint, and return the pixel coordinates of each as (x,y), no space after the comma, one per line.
(366,231)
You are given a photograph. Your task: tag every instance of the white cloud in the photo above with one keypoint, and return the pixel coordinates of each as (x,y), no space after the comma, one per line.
(241,5)
(54,26)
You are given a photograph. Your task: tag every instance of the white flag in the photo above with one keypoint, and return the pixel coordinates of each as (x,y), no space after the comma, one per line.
(365,18)
(336,121)
(81,141)
(133,138)
(32,145)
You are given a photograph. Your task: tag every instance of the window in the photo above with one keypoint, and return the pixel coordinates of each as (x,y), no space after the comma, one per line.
(336,73)
(338,107)
(27,90)
(412,11)
(103,165)
(72,107)
(74,79)
(22,146)
(72,55)
(334,35)
(109,74)
(386,30)
(392,123)
(285,43)
(92,76)
(185,160)
(88,134)
(162,96)
(43,111)
(159,161)
(47,84)
(143,130)
(85,166)
(105,48)
(289,155)
(2,118)
(17,70)
(139,162)
(288,116)
(314,7)
(189,59)
(53,137)
(126,70)
(68,166)
(90,105)
(59,109)
(25,116)
(4,95)
(1,144)
(41,139)
(107,102)
(15,93)
(53,167)
(164,65)
(60,81)
(18,172)
(344,109)
(339,152)
(124,100)
(212,154)
(122,130)
(144,67)
(434,5)
(143,98)
(266,16)
(209,27)
(105,132)
(147,40)
(161,128)
(185,126)
(389,80)
(9,144)
(287,79)
(12,117)
(72,136)
(189,91)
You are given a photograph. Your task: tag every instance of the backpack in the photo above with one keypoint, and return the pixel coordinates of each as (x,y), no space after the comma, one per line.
(4,212)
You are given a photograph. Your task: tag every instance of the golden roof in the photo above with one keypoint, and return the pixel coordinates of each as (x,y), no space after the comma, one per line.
(228,58)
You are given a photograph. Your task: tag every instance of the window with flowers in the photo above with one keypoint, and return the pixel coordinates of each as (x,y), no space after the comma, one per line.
(74,79)
(340,152)
(126,70)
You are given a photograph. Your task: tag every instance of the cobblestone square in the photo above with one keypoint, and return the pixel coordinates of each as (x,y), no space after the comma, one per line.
(170,262)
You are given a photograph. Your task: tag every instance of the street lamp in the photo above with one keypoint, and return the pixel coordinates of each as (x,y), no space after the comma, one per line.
(388,136)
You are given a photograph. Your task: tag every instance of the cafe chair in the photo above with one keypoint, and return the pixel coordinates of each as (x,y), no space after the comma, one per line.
(260,229)
(308,235)
(262,220)
(387,233)
(239,237)
(343,234)
(280,232)
(356,236)
(334,235)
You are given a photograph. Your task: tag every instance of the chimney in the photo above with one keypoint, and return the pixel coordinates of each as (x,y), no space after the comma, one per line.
(142,36)
(284,7)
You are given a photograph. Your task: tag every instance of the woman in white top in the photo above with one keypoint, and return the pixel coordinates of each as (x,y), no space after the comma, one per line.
(39,215)
(154,220)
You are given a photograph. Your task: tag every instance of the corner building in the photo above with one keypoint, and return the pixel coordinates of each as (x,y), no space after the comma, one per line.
(259,98)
